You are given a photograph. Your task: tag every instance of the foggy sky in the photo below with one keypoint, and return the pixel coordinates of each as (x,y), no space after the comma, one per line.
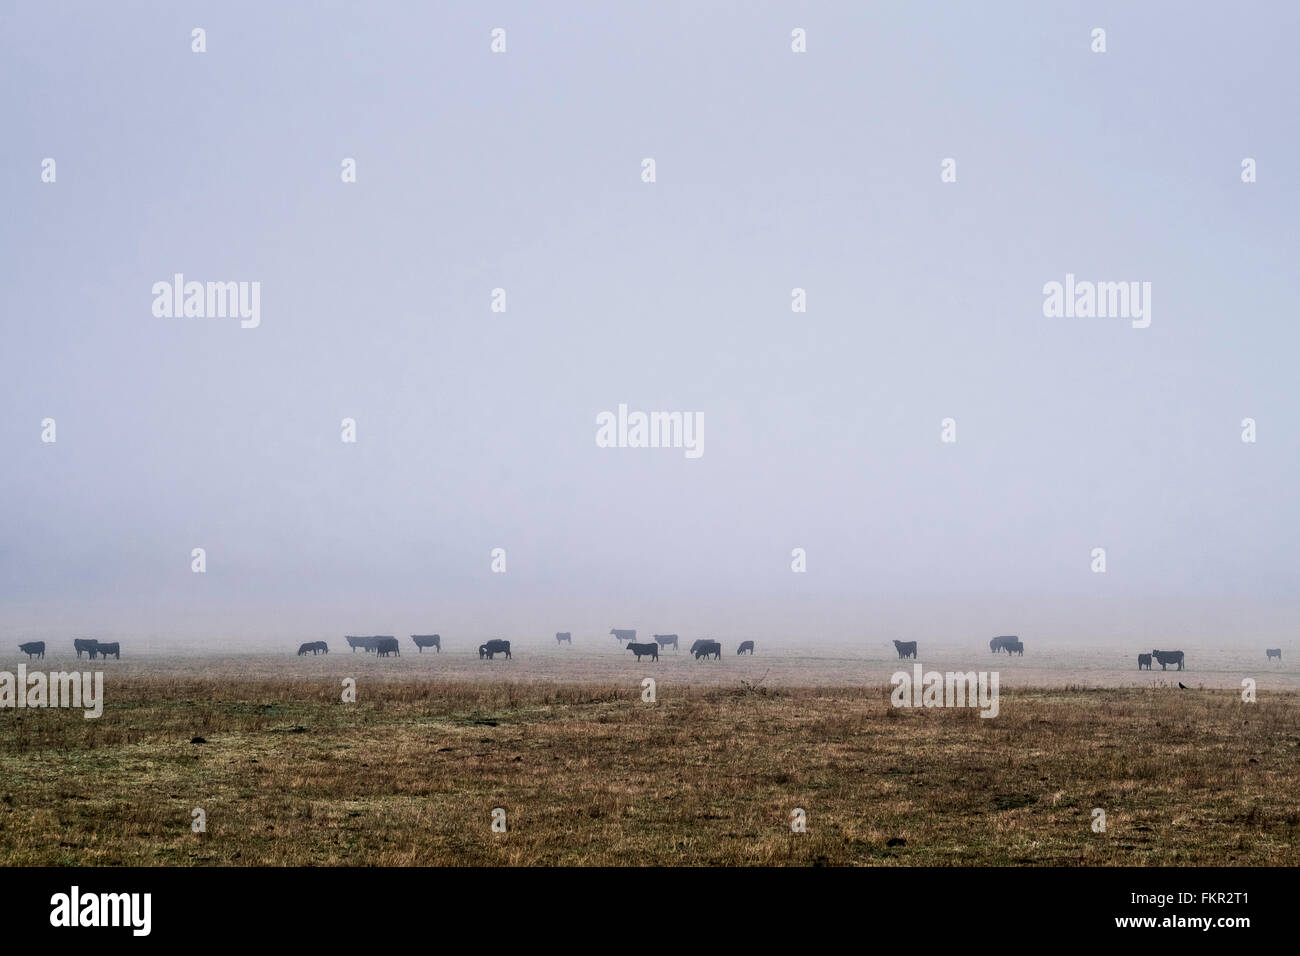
(476,430)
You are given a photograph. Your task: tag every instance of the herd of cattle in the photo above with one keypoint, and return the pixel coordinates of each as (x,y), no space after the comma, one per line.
(386,645)
(96,649)
(1013,645)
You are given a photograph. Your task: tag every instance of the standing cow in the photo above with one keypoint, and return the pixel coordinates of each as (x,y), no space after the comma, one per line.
(494,647)
(384,646)
(1168,657)
(563,637)
(663,640)
(1144,661)
(708,649)
(106,651)
(623,635)
(1000,643)
(87,644)
(746,647)
(33,649)
(905,649)
(1014,647)
(427,640)
(641,650)
(1273,652)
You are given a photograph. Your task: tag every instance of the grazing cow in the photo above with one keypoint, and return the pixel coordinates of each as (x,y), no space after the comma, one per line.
(1000,643)
(746,646)
(706,648)
(87,644)
(33,649)
(1273,652)
(623,635)
(1168,657)
(905,649)
(384,646)
(663,640)
(563,637)
(1144,660)
(696,646)
(641,649)
(494,647)
(1015,647)
(105,650)
(427,640)
(310,646)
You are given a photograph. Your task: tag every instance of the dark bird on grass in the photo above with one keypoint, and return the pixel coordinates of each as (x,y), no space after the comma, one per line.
(1182,686)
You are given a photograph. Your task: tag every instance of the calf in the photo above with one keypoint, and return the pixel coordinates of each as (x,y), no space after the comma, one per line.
(427,640)
(384,646)
(706,649)
(114,649)
(563,637)
(33,649)
(494,647)
(1014,647)
(642,649)
(1168,657)
(1273,652)
(905,649)
(746,646)
(1144,660)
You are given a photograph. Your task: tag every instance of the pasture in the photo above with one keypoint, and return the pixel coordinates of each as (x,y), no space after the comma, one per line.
(708,774)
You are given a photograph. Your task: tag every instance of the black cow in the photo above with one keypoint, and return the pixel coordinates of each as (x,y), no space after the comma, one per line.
(105,650)
(1168,657)
(623,635)
(384,646)
(33,649)
(706,648)
(1144,660)
(87,644)
(642,649)
(1015,647)
(1000,643)
(365,643)
(563,637)
(746,646)
(1273,652)
(494,647)
(663,640)
(310,646)
(905,649)
(427,640)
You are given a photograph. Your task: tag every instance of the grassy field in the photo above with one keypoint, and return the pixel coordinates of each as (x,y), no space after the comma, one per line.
(589,774)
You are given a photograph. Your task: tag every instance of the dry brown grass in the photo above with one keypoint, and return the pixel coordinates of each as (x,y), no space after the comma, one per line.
(589,774)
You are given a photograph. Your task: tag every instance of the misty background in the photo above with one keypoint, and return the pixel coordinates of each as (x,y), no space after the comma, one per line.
(476,430)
